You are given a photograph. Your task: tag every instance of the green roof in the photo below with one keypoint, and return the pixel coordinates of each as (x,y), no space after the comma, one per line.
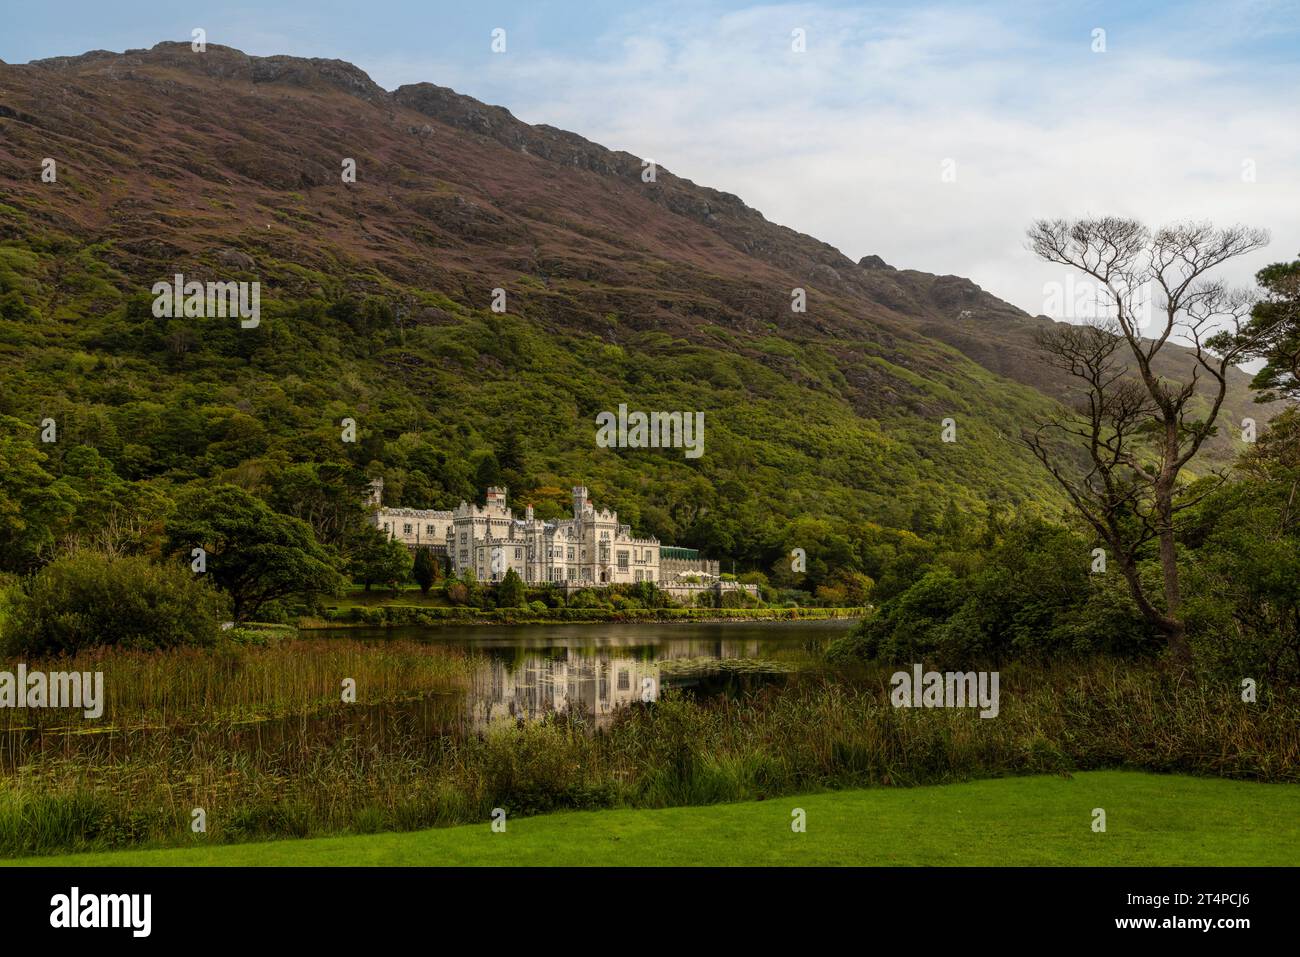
(671,551)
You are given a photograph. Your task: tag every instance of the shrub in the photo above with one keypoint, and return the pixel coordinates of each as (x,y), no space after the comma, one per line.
(510,593)
(87,599)
(587,598)
(1031,595)
(425,571)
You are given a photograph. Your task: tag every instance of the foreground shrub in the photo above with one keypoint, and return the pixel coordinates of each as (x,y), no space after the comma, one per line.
(86,599)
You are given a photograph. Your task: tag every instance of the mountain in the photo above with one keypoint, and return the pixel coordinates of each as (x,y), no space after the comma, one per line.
(376,299)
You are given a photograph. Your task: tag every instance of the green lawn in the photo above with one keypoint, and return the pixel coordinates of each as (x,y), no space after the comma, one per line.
(1151,820)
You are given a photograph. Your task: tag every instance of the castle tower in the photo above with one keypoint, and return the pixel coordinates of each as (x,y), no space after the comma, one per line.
(496,495)
(376,496)
(579,500)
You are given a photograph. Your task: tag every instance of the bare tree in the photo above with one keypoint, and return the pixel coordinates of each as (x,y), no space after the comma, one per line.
(1139,429)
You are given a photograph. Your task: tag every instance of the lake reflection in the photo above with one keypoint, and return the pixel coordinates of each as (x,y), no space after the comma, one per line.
(528,672)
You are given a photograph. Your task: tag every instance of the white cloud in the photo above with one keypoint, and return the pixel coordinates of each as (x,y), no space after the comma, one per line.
(845,141)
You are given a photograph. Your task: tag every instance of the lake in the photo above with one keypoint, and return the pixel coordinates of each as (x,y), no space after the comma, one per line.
(516,673)
(526,672)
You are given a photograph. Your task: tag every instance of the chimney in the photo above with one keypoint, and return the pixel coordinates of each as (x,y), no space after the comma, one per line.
(528,513)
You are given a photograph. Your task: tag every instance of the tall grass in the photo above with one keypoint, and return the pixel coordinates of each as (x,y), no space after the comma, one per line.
(414,764)
(151,689)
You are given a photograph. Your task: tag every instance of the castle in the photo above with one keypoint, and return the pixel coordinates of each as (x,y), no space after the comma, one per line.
(589,549)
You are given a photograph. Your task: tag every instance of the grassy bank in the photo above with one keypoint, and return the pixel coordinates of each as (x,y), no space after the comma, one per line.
(406,765)
(1150,820)
(398,614)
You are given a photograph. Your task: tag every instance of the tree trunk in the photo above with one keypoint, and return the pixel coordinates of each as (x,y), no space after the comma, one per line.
(1175,633)
(1169,566)
(1173,629)
(1170,626)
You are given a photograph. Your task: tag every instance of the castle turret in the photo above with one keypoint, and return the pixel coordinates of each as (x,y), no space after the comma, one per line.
(376,496)
(579,500)
(496,495)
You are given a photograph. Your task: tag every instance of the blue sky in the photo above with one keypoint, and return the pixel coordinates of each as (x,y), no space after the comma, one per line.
(846,140)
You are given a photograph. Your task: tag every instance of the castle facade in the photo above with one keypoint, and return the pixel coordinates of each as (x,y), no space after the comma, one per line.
(591,548)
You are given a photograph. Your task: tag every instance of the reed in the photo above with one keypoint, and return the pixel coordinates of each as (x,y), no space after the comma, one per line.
(417,762)
(235,681)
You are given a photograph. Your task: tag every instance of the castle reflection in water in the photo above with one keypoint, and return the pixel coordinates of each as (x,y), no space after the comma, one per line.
(595,682)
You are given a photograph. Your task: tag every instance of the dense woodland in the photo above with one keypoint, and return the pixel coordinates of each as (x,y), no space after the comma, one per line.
(135,438)
(128,440)
(170,432)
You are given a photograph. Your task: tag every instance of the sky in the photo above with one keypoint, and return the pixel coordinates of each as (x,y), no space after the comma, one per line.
(930,134)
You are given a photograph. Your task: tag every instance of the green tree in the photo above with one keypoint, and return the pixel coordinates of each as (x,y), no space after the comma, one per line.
(847,587)
(510,454)
(380,560)
(1276,318)
(1031,595)
(1244,613)
(328,496)
(254,553)
(473,591)
(425,570)
(510,593)
(488,473)
(34,507)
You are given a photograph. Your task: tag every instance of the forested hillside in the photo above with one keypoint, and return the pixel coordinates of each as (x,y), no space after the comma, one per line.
(823,427)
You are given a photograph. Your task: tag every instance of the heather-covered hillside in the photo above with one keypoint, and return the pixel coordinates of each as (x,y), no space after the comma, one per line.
(376,302)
